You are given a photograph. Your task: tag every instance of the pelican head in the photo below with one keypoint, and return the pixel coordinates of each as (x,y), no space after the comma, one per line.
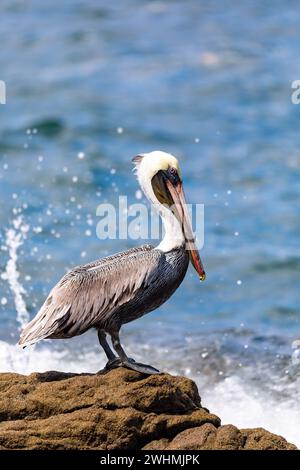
(160,177)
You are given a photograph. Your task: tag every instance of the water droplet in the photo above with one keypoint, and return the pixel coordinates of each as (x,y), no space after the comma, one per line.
(138,194)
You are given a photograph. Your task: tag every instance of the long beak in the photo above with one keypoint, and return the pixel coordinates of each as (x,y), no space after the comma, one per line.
(178,197)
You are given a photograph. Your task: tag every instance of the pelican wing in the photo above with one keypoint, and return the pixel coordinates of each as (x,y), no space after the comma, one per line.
(89,294)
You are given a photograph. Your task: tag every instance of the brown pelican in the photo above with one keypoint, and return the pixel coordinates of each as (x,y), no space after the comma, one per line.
(117,289)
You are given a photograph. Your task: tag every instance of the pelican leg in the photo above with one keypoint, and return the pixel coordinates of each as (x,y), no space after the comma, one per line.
(113,360)
(127,361)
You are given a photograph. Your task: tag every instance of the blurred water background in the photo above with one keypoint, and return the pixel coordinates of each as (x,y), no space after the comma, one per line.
(91,84)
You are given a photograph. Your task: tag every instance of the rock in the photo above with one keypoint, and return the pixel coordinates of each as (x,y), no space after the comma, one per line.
(208,437)
(259,438)
(121,409)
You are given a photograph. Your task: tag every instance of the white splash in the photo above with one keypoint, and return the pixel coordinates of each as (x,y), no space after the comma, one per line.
(15,237)
(240,403)
(41,358)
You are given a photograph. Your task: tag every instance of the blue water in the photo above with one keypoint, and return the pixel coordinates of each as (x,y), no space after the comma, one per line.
(210,82)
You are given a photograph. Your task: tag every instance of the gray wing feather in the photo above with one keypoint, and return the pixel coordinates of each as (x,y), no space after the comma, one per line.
(89,294)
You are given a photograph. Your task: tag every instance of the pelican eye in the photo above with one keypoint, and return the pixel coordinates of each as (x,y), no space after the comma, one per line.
(173,175)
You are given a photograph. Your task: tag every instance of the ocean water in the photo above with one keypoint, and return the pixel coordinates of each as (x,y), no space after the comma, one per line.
(90,84)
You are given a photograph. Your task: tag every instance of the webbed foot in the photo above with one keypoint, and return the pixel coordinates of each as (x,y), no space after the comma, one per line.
(111,364)
(143,368)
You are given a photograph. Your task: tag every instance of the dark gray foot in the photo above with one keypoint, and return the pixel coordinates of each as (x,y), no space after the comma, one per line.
(129,364)
(143,368)
(111,364)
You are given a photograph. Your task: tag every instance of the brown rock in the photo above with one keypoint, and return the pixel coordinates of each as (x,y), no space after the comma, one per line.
(208,437)
(196,438)
(259,438)
(119,410)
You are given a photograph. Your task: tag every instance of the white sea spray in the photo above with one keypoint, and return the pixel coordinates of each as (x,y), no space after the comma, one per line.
(15,236)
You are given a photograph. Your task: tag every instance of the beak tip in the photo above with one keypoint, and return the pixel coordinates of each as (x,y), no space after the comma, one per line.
(202,277)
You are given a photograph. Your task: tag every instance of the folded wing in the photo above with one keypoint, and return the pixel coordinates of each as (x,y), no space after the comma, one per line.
(89,294)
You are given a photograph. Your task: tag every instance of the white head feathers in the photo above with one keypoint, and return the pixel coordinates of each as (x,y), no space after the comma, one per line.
(148,164)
